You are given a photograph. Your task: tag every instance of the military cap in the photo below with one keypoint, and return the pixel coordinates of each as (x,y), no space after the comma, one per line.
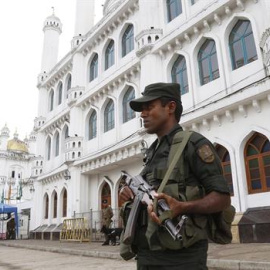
(155,91)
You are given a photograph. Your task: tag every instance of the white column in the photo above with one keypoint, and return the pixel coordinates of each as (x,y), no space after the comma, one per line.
(84,20)
(151,70)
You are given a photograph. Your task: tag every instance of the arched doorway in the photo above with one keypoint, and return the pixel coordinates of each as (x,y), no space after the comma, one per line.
(120,202)
(226,165)
(105,196)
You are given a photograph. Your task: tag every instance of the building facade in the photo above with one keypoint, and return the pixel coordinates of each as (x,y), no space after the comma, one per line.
(18,167)
(86,133)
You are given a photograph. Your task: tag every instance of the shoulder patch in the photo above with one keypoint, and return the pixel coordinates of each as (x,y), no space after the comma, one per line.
(206,154)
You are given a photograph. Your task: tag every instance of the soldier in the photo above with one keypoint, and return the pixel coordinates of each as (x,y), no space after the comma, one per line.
(161,109)
(107,215)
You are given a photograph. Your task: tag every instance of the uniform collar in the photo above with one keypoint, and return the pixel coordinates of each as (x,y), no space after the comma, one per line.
(169,137)
(166,139)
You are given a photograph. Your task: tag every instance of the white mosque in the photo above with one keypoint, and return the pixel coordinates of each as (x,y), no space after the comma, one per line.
(85,132)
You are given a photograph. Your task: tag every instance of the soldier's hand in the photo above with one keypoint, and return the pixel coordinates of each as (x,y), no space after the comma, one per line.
(126,194)
(152,214)
(175,206)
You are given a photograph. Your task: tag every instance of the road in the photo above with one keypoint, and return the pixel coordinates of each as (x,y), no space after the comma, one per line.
(25,259)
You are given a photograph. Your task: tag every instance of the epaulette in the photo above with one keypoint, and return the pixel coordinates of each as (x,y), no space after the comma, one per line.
(195,138)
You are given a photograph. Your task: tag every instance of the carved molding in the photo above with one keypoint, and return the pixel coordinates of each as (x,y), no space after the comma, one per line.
(242,110)
(143,50)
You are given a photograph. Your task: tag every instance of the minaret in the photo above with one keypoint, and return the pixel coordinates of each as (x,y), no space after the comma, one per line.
(4,135)
(52,30)
(150,30)
(16,135)
(32,142)
(84,20)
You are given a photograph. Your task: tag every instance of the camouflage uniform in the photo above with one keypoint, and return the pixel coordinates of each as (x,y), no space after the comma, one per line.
(202,167)
(201,170)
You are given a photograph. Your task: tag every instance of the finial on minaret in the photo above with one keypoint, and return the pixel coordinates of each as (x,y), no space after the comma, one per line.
(16,135)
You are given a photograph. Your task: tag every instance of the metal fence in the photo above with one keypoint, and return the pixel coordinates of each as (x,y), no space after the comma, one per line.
(94,220)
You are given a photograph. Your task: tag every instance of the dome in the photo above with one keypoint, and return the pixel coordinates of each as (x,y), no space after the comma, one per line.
(53,18)
(109,5)
(53,22)
(17,145)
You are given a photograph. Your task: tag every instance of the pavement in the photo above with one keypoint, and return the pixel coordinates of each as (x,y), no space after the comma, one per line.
(255,256)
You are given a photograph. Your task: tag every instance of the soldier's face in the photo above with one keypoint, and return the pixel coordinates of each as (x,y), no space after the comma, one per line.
(155,117)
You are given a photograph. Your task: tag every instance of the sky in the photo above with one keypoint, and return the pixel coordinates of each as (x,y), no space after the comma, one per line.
(21,23)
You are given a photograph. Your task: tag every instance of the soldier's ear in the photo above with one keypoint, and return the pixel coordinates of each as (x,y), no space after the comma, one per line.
(172,106)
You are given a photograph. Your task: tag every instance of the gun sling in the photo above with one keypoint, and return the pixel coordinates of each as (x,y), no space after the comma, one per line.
(185,135)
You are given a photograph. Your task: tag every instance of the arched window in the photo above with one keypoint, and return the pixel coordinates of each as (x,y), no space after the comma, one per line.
(48,148)
(94,68)
(51,100)
(65,203)
(55,205)
(64,136)
(208,63)
(128,113)
(109,116)
(57,141)
(128,40)
(257,157)
(92,126)
(179,74)
(69,78)
(60,90)
(69,82)
(242,44)
(193,2)
(46,208)
(226,165)
(109,55)
(66,133)
(174,9)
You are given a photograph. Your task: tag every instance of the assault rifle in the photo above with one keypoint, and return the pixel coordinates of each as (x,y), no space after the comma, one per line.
(144,193)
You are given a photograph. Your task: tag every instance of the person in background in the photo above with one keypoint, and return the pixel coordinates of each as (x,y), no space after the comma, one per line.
(107,215)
